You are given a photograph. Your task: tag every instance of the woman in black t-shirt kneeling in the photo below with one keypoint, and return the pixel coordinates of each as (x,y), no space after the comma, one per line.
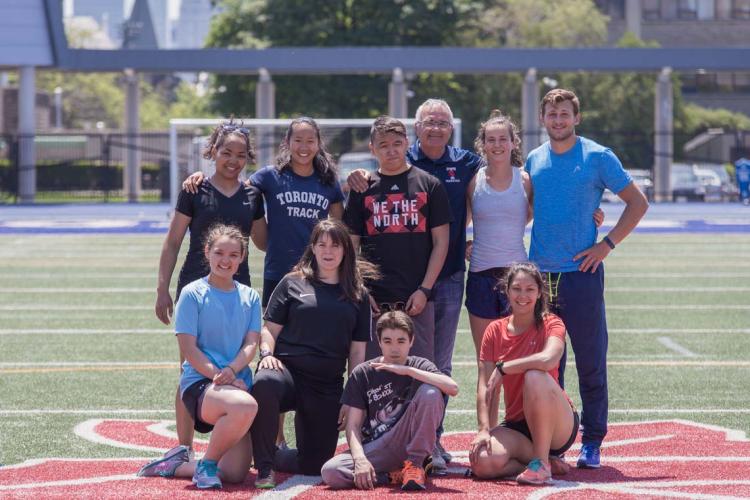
(317,320)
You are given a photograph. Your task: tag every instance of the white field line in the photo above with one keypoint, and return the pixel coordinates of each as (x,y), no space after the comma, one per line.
(646,411)
(41,308)
(651,489)
(674,346)
(70,482)
(87,431)
(687,275)
(83,331)
(660,330)
(47,364)
(170,411)
(627,289)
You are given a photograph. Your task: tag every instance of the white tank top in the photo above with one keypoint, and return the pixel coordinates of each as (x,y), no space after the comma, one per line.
(499,219)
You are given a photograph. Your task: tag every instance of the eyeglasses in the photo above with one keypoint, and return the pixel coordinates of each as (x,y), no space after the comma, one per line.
(235,128)
(392,306)
(441,125)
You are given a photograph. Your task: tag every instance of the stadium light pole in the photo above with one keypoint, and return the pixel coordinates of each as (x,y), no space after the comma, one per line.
(664,135)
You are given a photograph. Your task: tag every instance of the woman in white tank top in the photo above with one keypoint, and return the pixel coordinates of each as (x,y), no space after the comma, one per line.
(499,198)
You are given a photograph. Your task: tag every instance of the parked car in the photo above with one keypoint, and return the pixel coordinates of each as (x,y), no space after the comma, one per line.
(641,178)
(729,189)
(349,162)
(711,183)
(686,186)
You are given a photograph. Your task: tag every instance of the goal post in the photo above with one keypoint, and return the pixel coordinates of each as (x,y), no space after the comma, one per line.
(187,137)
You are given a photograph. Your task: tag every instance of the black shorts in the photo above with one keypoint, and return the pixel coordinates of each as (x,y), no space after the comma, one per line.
(522,427)
(192,398)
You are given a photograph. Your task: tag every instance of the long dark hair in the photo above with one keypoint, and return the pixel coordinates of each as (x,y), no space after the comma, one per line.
(353,271)
(322,163)
(541,308)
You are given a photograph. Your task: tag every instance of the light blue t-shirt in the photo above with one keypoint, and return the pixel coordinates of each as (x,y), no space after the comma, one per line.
(220,320)
(568,188)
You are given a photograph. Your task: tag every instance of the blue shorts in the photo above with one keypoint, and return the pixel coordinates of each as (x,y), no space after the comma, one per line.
(484,295)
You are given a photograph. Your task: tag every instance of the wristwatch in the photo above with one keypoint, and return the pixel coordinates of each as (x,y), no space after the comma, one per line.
(426,291)
(499,366)
(264,353)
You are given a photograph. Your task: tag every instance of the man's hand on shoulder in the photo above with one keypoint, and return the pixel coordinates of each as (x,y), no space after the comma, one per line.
(358,180)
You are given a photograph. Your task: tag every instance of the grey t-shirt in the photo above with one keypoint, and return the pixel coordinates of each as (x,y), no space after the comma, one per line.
(382,394)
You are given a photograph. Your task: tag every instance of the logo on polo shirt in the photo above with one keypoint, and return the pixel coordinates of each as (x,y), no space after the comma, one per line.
(451,175)
(395,187)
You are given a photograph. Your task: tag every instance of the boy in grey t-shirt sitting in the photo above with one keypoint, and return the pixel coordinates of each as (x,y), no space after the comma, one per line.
(395,406)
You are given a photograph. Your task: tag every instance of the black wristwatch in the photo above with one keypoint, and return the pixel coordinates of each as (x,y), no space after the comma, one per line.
(264,353)
(426,291)
(499,366)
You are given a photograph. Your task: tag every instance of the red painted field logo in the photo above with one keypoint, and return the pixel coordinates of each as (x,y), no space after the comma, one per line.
(678,459)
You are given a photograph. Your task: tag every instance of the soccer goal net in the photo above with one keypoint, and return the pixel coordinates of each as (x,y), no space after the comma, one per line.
(346,139)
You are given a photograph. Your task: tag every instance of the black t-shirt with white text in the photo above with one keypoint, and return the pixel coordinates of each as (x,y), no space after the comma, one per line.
(316,319)
(208,207)
(383,395)
(394,218)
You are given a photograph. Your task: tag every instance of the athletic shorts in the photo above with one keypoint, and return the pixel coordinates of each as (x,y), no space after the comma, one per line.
(484,295)
(522,427)
(268,287)
(192,398)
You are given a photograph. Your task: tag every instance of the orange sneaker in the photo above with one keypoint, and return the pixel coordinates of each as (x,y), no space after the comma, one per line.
(558,466)
(413,477)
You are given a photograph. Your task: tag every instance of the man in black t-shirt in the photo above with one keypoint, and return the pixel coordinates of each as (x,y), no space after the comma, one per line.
(401,222)
(395,407)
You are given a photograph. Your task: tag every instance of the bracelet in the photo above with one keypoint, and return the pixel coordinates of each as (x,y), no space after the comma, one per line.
(426,291)
(609,242)
(264,353)
(499,366)
(233,372)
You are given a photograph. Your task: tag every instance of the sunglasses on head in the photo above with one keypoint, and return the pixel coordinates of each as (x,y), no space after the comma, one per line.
(395,306)
(236,128)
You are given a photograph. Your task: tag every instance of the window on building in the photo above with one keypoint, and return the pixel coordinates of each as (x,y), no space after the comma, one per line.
(668,9)
(723,9)
(741,9)
(613,8)
(687,9)
(651,10)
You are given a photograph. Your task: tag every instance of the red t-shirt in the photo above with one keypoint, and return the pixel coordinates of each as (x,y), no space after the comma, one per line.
(498,344)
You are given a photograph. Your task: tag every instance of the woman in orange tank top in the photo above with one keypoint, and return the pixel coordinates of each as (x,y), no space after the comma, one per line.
(522,353)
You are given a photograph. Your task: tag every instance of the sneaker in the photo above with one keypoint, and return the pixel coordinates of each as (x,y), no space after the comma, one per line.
(438,467)
(206,475)
(536,473)
(589,457)
(167,464)
(265,481)
(558,466)
(413,477)
(390,478)
(447,457)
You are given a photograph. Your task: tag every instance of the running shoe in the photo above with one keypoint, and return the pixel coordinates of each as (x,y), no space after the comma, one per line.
(265,481)
(413,478)
(558,466)
(536,473)
(446,456)
(438,465)
(206,475)
(167,464)
(590,457)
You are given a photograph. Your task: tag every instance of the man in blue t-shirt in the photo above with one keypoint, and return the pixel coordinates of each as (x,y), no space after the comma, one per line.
(568,176)
(454,168)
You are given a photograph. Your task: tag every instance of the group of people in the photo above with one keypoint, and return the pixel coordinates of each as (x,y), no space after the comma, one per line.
(374,287)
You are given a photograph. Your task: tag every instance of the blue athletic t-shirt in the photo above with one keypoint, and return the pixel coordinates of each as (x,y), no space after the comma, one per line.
(294,204)
(454,170)
(568,188)
(220,320)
